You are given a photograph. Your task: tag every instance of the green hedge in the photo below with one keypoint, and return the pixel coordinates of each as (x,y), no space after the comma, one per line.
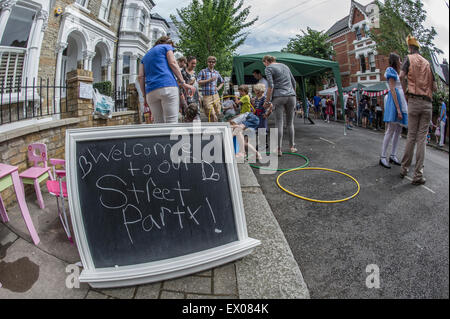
(104,88)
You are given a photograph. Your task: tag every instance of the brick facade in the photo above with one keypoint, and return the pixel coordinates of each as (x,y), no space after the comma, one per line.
(349,49)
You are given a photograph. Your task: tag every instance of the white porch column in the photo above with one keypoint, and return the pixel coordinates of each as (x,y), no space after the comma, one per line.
(36,42)
(119,70)
(109,63)
(60,47)
(88,56)
(6,7)
(133,68)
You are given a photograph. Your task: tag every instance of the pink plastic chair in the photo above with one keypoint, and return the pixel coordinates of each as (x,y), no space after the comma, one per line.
(37,153)
(58,188)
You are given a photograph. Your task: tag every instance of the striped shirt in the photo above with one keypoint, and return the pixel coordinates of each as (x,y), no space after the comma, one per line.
(209,88)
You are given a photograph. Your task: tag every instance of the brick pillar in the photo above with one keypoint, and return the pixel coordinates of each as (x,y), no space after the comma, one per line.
(81,108)
(133,98)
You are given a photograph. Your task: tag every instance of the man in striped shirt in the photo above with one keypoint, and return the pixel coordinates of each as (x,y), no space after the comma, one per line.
(207,80)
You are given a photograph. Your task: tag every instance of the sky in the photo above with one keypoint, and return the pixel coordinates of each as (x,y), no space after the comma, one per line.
(278,21)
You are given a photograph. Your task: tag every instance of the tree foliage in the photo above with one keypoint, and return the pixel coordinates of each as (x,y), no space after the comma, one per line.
(315,44)
(311,43)
(398,19)
(213,27)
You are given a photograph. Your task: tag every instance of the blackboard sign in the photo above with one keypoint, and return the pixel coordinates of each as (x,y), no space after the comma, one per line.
(152,202)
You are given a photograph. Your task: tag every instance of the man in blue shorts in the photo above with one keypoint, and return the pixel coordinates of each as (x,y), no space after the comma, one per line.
(316,100)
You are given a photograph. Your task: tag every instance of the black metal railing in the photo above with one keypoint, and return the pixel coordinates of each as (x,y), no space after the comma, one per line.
(120,98)
(33,98)
(39,98)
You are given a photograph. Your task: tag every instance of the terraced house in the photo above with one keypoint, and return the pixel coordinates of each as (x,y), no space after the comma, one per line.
(43,40)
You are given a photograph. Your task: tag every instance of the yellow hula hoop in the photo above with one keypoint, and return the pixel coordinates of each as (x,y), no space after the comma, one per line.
(316,200)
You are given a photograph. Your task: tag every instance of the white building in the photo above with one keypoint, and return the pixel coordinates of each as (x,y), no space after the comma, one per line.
(139,31)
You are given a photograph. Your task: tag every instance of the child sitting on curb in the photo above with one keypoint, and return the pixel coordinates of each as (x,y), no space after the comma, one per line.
(261,112)
(229,108)
(239,124)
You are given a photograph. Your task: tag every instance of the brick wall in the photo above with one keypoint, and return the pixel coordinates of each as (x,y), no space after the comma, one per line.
(14,151)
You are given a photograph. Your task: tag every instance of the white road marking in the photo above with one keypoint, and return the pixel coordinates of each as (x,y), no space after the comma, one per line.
(327,141)
(427,188)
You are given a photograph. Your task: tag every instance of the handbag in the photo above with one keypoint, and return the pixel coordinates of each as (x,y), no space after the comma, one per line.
(103,105)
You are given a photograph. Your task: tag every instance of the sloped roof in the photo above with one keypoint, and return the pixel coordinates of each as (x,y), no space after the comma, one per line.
(158,17)
(444,67)
(342,25)
(339,26)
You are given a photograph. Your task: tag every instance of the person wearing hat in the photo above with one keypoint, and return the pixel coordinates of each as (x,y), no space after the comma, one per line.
(418,79)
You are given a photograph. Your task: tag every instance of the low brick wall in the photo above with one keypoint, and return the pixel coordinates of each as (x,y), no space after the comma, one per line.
(14,143)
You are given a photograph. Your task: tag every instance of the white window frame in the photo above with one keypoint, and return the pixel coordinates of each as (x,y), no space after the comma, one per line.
(130,18)
(372,62)
(142,21)
(82,5)
(103,13)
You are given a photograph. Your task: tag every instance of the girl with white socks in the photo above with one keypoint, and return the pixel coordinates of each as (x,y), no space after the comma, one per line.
(395,112)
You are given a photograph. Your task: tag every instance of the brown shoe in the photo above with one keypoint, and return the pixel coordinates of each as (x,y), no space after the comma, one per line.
(419,181)
(403,173)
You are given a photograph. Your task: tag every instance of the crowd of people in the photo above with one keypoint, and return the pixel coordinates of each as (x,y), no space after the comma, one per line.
(174,92)
(173,87)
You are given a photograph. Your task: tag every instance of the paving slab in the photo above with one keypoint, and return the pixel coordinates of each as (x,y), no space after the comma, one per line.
(189,284)
(48,225)
(27,272)
(224,279)
(150,291)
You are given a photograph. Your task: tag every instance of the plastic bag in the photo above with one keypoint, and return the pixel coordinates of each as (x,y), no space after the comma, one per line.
(103,105)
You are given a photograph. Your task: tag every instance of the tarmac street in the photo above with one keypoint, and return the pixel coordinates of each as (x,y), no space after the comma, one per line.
(392,229)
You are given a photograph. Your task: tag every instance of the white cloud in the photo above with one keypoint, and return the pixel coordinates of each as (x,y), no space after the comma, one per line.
(273,30)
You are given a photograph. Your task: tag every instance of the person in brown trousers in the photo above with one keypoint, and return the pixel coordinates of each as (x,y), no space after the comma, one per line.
(418,79)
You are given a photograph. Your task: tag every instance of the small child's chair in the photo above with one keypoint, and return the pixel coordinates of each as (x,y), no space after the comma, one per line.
(37,153)
(58,188)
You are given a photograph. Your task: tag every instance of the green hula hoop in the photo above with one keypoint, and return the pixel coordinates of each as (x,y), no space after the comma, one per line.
(287,169)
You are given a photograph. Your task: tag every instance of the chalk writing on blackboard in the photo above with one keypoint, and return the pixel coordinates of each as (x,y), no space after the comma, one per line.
(141,181)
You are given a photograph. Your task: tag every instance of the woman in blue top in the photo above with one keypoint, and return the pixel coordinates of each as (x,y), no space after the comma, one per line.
(395,111)
(157,74)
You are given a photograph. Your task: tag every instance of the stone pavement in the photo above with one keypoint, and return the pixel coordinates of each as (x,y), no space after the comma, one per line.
(29,271)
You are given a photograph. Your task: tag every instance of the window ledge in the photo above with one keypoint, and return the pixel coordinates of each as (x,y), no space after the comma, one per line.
(85,10)
(104,21)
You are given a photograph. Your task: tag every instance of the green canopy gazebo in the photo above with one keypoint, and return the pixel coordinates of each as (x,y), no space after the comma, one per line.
(300,66)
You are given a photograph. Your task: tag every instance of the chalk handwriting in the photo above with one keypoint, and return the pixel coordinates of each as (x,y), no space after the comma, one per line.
(84,164)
